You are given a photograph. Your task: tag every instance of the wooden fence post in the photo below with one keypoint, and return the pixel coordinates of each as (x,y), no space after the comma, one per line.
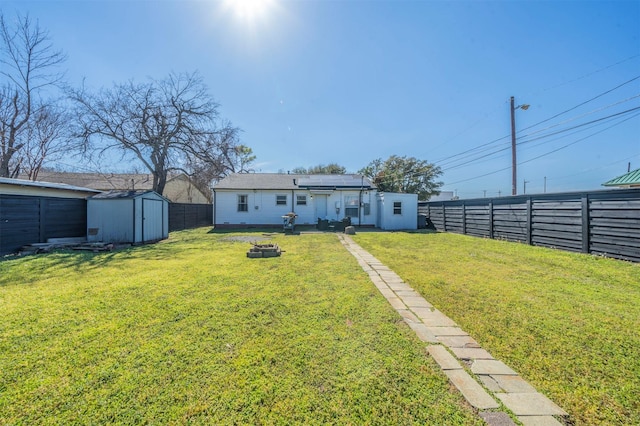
(491,219)
(464,218)
(585,223)
(529,219)
(444,218)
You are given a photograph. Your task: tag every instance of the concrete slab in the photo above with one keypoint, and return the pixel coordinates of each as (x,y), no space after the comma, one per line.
(434,319)
(491,367)
(422,332)
(493,418)
(447,331)
(415,302)
(489,383)
(396,303)
(408,316)
(390,278)
(513,384)
(539,421)
(422,311)
(398,286)
(530,404)
(445,360)
(459,341)
(387,292)
(471,353)
(408,293)
(471,390)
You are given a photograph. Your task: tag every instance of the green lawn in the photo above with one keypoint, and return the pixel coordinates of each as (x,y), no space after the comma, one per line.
(191,331)
(568,323)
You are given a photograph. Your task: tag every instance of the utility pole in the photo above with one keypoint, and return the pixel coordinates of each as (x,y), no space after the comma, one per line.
(524,186)
(485,193)
(514,174)
(545,184)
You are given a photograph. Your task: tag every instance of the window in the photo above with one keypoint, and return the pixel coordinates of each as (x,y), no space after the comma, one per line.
(397,207)
(281,200)
(243,203)
(301,200)
(366,209)
(351,205)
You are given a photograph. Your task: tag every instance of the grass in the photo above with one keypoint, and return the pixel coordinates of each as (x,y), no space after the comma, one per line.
(568,323)
(190,331)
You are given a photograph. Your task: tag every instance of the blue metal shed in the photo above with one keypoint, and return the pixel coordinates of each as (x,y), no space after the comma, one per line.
(134,217)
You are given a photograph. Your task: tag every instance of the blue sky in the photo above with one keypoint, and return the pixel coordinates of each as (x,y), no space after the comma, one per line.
(314,82)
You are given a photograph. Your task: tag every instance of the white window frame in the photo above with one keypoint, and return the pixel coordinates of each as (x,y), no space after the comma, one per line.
(281,200)
(301,200)
(245,204)
(351,203)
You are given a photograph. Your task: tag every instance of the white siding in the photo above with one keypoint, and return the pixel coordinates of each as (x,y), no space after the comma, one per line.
(262,208)
(408,219)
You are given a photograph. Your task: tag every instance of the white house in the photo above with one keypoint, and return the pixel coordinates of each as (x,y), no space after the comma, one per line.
(261,199)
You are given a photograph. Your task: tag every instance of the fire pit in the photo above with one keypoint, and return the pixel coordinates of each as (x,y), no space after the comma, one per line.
(264,250)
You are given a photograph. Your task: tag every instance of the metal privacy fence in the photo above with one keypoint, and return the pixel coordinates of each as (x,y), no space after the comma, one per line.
(597,222)
(25,220)
(29,219)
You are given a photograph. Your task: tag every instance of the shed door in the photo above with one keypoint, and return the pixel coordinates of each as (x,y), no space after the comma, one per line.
(151,220)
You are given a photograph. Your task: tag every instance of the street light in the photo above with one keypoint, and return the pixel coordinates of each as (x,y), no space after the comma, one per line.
(514,174)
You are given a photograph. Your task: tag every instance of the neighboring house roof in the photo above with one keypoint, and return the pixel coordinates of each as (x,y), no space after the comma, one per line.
(50,185)
(179,187)
(102,181)
(629,180)
(285,181)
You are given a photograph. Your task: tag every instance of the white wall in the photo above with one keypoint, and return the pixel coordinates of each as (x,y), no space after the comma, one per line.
(262,208)
(407,219)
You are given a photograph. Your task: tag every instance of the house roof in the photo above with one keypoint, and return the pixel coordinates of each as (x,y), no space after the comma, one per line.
(287,181)
(50,185)
(630,179)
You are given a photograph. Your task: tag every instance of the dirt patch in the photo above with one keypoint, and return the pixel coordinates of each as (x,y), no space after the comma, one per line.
(246,238)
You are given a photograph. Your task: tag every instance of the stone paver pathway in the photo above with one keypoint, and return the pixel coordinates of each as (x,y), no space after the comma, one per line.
(461,358)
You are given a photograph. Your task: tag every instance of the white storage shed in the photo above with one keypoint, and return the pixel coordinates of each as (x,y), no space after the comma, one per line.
(397,211)
(134,217)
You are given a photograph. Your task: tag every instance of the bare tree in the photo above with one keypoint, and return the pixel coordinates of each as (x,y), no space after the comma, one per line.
(167,125)
(45,139)
(227,158)
(28,65)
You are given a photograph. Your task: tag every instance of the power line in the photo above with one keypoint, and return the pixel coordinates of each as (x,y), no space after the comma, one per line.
(547,153)
(502,149)
(470,152)
(580,140)
(580,116)
(583,103)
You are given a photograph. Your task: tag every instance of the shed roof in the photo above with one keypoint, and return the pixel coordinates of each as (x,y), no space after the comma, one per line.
(50,185)
(288,181)
(629,179)
(120,195)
